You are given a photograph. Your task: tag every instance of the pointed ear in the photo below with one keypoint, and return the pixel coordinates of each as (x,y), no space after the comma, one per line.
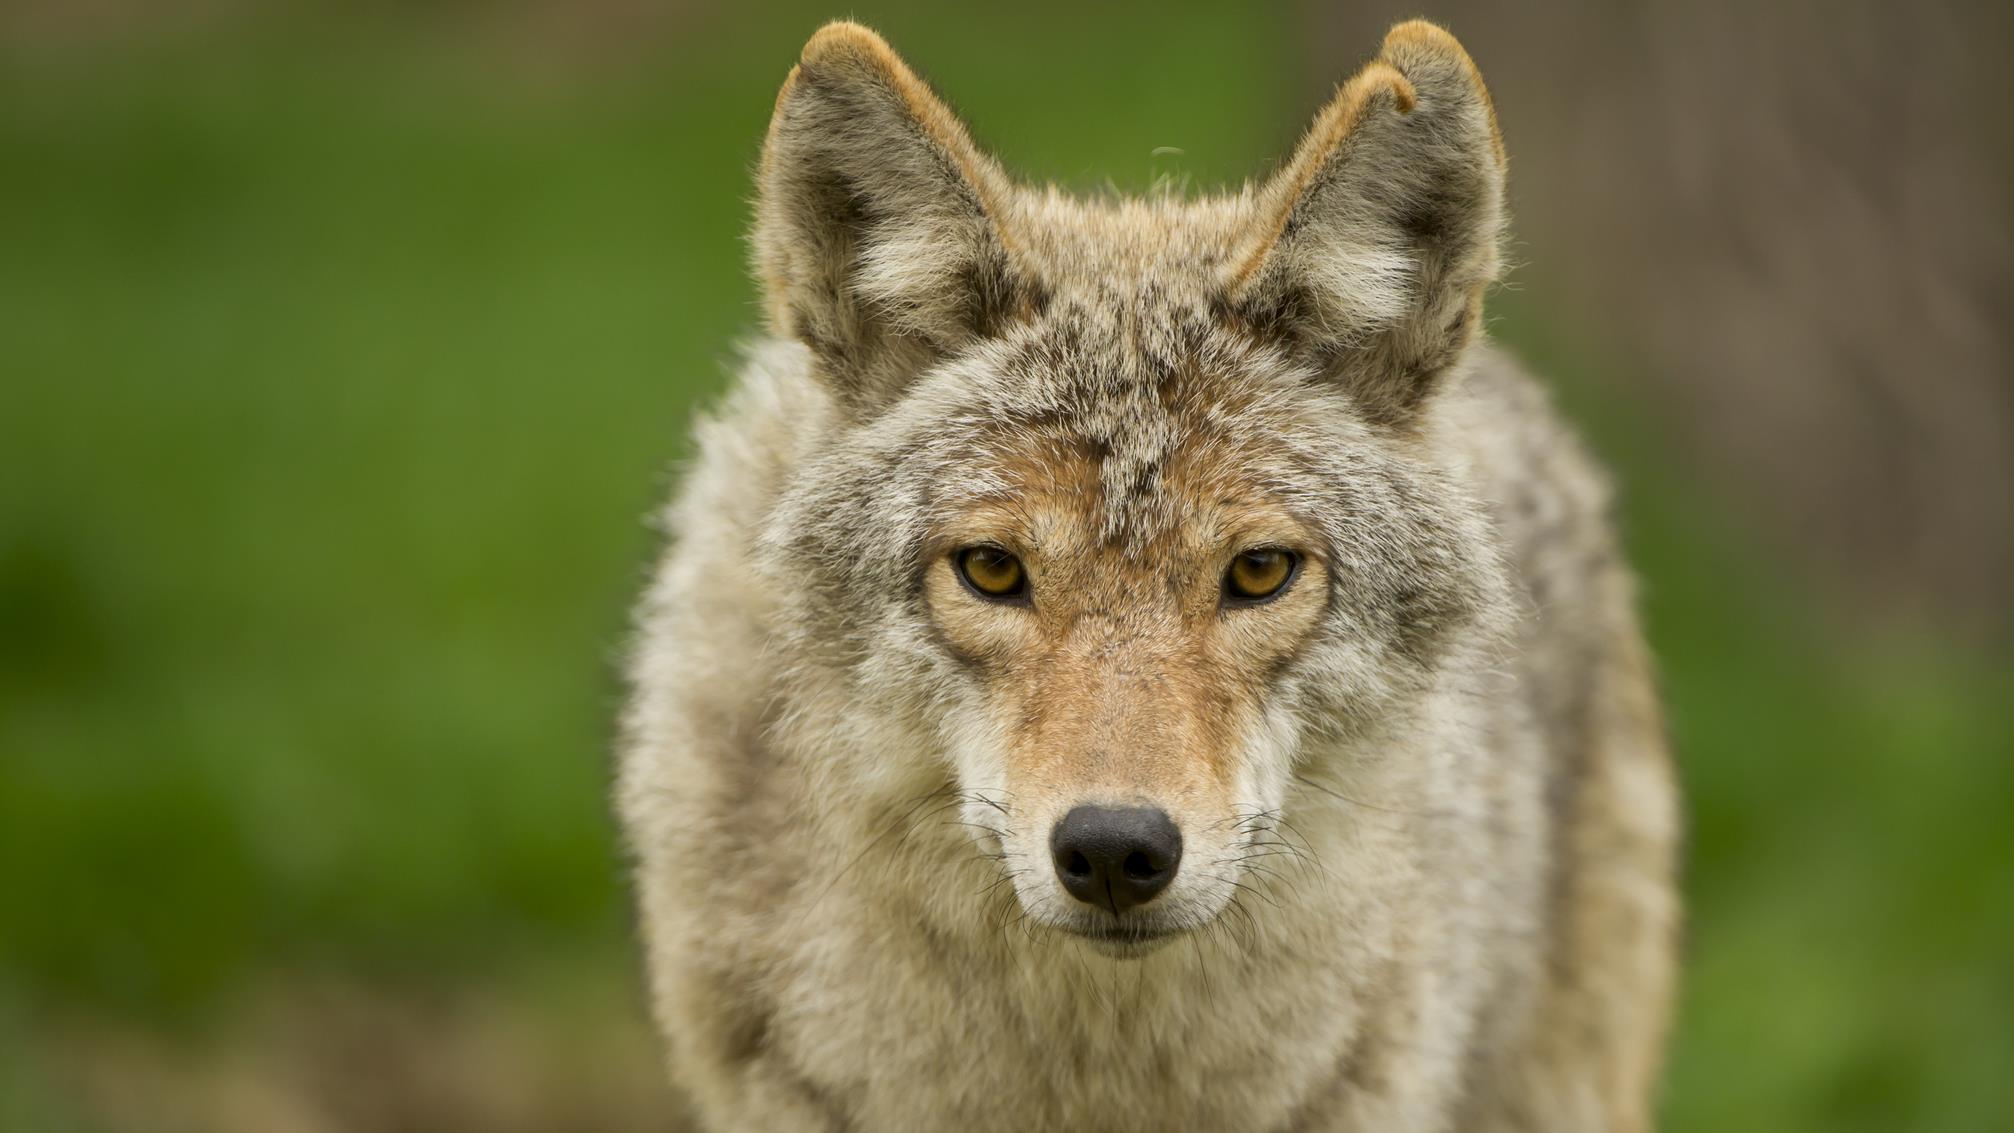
(1369,251)
(877,233)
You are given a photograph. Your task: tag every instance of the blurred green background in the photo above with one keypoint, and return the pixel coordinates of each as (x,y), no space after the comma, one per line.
(344,351)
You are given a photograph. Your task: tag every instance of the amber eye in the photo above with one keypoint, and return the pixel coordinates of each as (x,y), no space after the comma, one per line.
(992,573)
(1258,575)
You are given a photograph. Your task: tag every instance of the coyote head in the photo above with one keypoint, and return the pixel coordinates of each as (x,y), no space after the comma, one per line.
(1129,509)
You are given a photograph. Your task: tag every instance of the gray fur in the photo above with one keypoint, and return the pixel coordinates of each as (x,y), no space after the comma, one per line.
(1440,897)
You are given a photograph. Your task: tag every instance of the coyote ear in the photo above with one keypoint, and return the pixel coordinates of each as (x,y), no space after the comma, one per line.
(1370,250)
(877,232)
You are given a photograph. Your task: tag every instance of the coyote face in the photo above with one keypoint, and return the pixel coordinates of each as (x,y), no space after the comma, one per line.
(1127,508)
(1123,597)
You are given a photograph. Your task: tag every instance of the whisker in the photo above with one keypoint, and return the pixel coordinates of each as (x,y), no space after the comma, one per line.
(1335,794)
(902,825)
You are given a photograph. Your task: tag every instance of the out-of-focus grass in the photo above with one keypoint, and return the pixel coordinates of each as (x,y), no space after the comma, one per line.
(339,374)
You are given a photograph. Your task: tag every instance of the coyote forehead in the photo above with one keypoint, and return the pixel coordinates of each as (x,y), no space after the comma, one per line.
(1123,451)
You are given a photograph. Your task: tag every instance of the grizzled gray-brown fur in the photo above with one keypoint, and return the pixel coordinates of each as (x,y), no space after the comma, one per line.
(1144,664)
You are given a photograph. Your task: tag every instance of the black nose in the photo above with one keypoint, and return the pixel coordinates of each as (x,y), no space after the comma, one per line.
(1116,857)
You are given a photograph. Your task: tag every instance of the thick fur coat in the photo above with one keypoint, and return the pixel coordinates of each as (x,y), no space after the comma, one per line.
(1425,809)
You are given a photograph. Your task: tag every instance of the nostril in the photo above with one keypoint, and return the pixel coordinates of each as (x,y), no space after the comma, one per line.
(1116,857)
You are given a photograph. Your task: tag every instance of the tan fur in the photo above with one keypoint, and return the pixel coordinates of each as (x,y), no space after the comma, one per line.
(1427,815)
(1332,127)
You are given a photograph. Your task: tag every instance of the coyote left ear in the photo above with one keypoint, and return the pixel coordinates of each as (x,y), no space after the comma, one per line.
(1369,251)
(877,232)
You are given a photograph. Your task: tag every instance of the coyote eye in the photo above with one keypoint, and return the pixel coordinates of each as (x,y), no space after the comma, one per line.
(1259,575)
(992,573)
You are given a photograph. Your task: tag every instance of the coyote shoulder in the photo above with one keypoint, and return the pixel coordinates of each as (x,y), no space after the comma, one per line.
(1145,664)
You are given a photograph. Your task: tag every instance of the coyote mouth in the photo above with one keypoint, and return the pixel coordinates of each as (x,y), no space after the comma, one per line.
(1123,941)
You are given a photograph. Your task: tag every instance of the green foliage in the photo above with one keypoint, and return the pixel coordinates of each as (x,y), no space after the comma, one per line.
(338,386)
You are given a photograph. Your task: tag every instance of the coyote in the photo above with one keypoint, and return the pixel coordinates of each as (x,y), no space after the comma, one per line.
(1145,664)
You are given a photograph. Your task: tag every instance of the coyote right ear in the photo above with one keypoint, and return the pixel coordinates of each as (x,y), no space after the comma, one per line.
(1369,251)
(877,230)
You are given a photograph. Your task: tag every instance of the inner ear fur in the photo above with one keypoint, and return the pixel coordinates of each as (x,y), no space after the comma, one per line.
(877,234)
(1369,251)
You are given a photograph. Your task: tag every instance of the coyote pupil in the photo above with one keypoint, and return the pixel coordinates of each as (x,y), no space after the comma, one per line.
(1145,664)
